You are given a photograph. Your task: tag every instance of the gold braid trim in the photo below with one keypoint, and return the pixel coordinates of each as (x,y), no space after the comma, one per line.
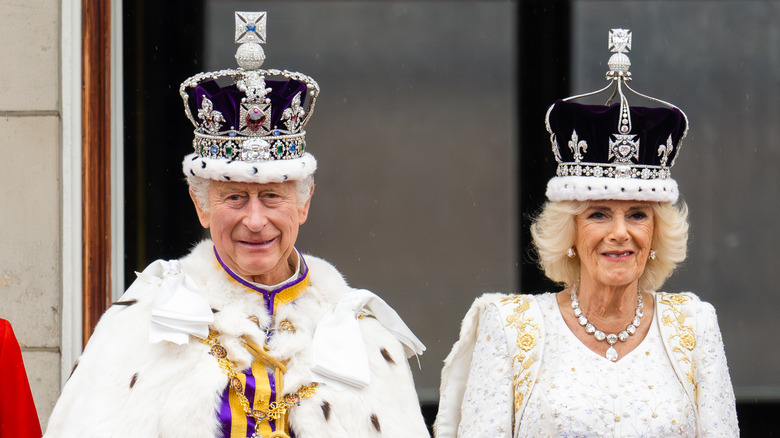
(527,335)
(683,339)
(276,410)
(259,353)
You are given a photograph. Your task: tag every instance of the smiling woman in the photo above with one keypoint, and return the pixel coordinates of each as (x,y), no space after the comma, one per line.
(555,227)
(609,355)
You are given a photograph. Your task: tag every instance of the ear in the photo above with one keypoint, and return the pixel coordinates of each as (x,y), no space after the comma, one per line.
(303,213)
(203,216)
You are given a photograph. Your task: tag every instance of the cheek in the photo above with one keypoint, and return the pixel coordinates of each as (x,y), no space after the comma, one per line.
(645,235)
(588,236)
(223,222)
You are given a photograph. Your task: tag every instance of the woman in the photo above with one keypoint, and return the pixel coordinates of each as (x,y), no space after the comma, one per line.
(607,356)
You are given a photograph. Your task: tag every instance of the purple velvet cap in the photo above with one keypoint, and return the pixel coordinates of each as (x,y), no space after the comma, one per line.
(227,100)
(597,124)
(598,161)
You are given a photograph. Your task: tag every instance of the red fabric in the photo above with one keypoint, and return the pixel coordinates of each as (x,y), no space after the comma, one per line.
(18,418)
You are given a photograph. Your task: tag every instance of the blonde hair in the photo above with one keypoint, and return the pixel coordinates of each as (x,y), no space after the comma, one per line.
(554,231)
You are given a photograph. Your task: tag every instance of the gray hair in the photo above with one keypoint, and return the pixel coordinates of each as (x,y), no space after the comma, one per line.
(200,188)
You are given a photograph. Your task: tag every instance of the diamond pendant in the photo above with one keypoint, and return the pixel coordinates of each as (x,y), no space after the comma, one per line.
(612,354)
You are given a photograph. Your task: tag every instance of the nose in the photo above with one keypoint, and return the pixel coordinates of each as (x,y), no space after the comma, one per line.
(255,217)
(619,230)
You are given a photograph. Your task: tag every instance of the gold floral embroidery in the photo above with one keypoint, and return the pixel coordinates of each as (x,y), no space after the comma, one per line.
(527,335)
(526,341)
(688,341)
(683,333)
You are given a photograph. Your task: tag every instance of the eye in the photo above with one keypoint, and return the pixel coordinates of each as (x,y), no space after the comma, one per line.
(234,199)
(272,198)
(638,215)
(597,215)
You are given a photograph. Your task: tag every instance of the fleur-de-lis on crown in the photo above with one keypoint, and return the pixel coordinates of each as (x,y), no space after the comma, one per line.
(576,145)
(665,150)
(293,114)
(212,120)
(555,148)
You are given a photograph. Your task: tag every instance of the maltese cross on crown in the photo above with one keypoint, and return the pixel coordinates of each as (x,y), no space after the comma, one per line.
(620,40)
(250,27)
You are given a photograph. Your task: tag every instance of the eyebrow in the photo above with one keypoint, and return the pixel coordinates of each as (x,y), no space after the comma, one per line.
(225,188)
(634,207)
(228,189)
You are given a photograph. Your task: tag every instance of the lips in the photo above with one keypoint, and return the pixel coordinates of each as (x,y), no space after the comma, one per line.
(254,242)
(618,254)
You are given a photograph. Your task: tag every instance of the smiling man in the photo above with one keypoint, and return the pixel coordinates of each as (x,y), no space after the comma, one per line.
(245,336)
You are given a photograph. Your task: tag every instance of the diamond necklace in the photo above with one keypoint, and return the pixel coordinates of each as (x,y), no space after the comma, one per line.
(611,338)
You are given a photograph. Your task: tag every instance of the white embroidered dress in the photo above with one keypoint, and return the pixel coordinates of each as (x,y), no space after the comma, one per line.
(571,391)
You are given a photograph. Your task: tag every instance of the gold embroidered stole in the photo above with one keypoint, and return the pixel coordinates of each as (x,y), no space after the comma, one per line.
(524,329)
(677,322)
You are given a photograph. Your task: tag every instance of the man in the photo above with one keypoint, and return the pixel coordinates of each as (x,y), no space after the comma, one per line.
(245,337)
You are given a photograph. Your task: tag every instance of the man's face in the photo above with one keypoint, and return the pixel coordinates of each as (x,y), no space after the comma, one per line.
(254,227)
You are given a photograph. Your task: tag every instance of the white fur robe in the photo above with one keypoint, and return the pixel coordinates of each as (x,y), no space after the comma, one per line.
(125,386)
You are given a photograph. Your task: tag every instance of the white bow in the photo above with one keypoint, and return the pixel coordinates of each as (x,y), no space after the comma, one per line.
(179,309)
(338,352)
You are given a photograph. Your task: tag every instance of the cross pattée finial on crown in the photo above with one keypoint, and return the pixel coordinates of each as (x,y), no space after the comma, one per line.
(620,43)
(250,33)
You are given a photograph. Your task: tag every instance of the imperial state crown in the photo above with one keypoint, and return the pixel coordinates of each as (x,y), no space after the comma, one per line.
(249,122)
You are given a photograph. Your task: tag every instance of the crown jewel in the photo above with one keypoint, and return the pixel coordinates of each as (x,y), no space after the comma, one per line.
(629,149)
(258,117)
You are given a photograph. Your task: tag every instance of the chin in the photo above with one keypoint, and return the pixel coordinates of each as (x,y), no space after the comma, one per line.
(620,281)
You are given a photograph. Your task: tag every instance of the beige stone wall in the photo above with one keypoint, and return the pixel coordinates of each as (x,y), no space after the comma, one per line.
(30,187)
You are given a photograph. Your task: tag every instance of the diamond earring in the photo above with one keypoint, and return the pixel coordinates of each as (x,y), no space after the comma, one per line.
(652,255)
(571,253)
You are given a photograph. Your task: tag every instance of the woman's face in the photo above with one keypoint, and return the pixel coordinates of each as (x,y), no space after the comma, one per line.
(613,242)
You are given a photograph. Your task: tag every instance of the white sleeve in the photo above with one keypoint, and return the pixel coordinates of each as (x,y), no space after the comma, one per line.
(487,407)
(715,394)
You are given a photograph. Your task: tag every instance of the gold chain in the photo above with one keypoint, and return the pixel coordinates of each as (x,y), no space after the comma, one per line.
(276,410)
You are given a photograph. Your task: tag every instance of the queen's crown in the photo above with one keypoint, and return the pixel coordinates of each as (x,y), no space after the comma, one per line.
(625,142)
(615,151)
